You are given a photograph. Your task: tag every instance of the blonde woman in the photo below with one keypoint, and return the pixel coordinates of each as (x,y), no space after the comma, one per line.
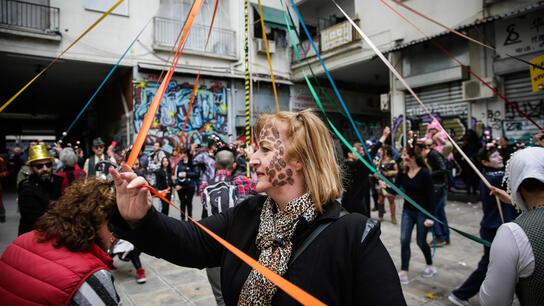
(345,264)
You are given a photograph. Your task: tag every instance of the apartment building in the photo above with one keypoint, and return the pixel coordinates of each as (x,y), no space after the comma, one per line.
(33,32)
(453,95)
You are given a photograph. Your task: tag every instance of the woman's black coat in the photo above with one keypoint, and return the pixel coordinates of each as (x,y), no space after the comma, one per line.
(346,264)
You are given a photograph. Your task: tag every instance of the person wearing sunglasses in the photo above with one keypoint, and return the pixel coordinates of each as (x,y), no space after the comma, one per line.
(98,149)
(38,189)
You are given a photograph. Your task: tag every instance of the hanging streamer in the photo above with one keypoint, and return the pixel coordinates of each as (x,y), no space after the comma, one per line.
(104,81)
(268,56)
(395,72)
(150,115)
(367,154)
(495,91)
(246,82)
(61,54)
(372,169)
(193,94)
(331,102)
(463,35)
(292,290)
(471,72)
(195,89)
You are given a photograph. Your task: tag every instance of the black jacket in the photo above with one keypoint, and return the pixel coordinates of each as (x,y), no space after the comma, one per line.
(192,174)
(34,196)
(346,264)
(439,169)
(356,196)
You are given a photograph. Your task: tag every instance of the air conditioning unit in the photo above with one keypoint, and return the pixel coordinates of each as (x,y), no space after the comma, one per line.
(384,102)
(261,48)
(475,90)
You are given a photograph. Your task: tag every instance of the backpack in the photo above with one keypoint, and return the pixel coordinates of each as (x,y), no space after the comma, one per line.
(217,197)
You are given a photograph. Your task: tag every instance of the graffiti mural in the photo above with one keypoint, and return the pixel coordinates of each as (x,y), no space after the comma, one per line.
(208,114)
(519,128)
(454,125)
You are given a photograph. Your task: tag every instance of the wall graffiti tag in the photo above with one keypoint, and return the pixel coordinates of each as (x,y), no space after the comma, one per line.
(208,114)
(519,128)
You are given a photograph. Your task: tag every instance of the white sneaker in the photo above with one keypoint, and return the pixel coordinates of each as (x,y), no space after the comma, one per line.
(457,301)
(429,271)
(403,278)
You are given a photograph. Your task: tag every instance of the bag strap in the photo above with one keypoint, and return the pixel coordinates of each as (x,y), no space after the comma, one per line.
(320,228)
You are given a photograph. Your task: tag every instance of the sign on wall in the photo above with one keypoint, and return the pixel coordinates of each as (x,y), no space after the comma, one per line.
(336,35)
(520,35)
(537,74)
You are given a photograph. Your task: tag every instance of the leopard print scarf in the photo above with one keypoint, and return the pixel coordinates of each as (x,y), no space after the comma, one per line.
(274,241)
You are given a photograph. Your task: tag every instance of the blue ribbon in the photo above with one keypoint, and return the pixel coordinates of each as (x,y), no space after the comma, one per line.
(332,82)
(105,80)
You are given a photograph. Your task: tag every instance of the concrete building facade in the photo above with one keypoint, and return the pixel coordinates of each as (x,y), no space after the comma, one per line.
(35,31)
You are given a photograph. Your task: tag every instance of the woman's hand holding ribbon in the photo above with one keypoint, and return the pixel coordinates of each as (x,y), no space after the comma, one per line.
(133,199)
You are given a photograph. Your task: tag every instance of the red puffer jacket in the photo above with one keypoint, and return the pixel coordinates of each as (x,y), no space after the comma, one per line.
(33,273)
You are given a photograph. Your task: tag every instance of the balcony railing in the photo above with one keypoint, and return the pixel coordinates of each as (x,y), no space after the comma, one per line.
(222,42)
(29,16)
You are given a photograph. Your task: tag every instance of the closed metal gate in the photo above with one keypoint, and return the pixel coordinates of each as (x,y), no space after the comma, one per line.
(445,101)
(518,90)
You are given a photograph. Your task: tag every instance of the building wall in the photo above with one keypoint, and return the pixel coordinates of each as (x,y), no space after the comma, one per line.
(383,26)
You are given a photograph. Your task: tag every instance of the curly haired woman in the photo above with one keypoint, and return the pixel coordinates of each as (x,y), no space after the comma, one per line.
(64,260)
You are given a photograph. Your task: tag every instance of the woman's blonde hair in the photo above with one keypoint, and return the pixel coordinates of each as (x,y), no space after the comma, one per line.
(309,142)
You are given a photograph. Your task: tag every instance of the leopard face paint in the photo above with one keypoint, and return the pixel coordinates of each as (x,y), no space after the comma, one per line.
(277,171)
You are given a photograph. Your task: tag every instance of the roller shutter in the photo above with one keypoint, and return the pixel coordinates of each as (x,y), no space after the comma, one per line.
(445,100)
(517,89)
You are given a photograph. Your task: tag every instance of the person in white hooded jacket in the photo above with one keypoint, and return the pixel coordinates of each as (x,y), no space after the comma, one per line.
(517,253)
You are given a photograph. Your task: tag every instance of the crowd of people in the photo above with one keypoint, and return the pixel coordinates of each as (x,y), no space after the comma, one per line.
(301,207)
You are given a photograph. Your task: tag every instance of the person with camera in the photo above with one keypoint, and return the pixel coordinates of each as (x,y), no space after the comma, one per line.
(97,157)
(185,177)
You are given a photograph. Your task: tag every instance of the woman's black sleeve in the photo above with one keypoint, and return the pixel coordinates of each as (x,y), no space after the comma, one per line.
(376,277)
(181,243)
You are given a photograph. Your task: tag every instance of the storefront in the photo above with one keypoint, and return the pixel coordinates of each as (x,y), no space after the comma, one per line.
(520,36)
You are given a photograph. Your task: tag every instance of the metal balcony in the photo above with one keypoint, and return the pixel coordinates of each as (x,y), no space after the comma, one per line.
(29,16)
(222,41)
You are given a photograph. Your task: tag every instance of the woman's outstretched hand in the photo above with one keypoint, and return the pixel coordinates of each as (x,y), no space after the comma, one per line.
(133,200)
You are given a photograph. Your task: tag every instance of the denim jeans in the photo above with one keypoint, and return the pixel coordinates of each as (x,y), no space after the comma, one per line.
(441,230)
(409,218)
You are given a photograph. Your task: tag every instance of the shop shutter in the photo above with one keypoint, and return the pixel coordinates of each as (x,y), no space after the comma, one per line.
(518,90)
(446,100)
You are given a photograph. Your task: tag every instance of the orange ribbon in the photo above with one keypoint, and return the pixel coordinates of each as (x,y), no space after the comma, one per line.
(193,93)
(291,289)
(150,115)
(268,57)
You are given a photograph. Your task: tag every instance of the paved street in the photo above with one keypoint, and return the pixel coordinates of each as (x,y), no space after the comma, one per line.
(168,284)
